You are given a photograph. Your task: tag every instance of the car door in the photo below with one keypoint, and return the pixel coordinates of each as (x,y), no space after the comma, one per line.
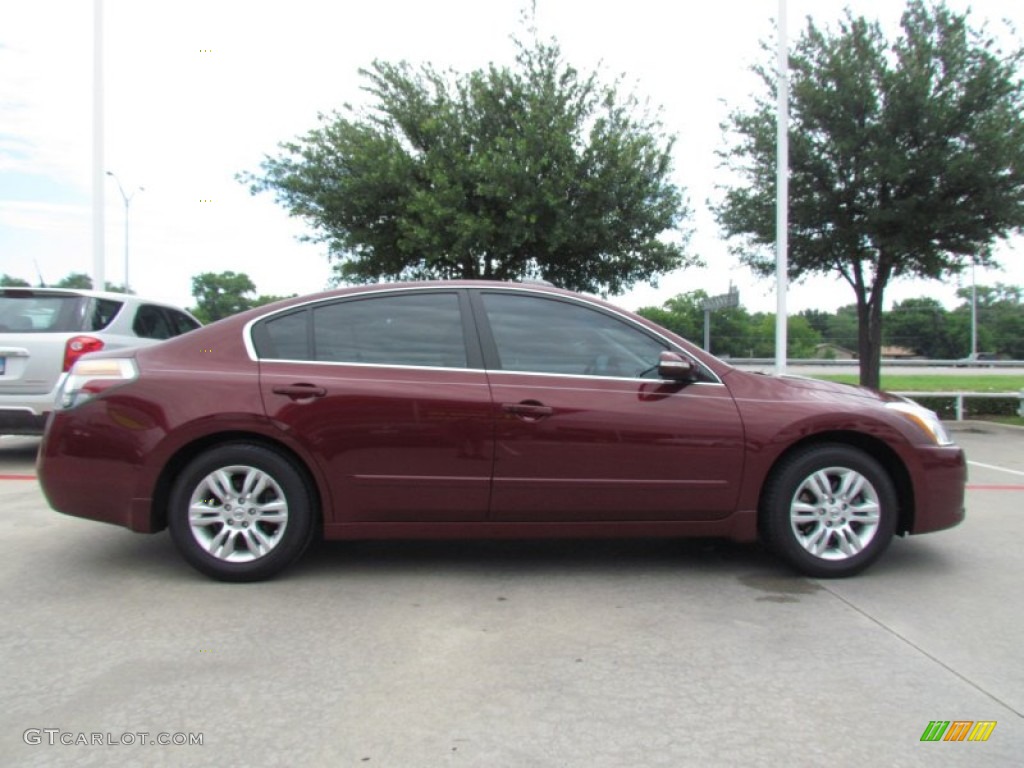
(386,391)
(584,428)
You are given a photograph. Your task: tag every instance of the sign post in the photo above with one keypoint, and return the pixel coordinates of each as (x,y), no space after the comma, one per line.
(713,304)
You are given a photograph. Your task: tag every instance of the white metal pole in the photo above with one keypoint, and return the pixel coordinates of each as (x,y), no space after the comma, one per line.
(974,312)
(98,202)
(126,280)
(782,196)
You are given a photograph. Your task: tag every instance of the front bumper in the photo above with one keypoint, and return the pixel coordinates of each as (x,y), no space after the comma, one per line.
(940,488)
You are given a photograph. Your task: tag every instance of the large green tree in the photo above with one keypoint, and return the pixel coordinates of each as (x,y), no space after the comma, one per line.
(220,294)
(733,332)
(1000,320)
(530,171)
(922,325)
(906,158)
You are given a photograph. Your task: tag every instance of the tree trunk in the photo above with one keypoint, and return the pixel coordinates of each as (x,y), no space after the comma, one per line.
(869,339)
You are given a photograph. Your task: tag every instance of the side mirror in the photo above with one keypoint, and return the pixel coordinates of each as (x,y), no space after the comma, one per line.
(675,367)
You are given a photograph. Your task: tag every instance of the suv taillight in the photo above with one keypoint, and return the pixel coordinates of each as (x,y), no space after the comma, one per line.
(77,346)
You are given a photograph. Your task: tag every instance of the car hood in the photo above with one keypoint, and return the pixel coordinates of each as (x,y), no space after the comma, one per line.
(825,390)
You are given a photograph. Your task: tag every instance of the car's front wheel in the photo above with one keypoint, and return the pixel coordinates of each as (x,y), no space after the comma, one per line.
(241,512)
(829,510)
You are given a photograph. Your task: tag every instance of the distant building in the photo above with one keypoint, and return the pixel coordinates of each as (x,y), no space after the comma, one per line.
(899,353)
(833,352)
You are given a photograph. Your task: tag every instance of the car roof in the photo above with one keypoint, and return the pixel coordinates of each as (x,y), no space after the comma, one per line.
(27,290)
(354,290)
(131,298)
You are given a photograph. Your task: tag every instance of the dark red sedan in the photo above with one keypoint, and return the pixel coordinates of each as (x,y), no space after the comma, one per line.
(476,409)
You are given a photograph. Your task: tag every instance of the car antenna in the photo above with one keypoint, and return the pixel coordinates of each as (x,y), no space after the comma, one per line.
(39,274)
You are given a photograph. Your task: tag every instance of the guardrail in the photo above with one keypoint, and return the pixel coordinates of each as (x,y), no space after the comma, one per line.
(959,397)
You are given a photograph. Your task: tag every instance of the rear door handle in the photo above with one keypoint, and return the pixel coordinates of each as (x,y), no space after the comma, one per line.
(299,391)
(528,411)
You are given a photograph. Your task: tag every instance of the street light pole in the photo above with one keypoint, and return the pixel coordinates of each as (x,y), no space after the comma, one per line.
(782,195)
(974,312)
(127,202)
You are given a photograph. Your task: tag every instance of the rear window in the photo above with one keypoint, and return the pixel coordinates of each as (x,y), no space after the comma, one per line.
(29,312)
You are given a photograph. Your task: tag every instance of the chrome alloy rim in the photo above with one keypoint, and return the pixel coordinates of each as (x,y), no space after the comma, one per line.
(835,513)
(238,514)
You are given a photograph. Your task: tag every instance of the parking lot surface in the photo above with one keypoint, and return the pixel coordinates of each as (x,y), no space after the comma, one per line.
(569,653)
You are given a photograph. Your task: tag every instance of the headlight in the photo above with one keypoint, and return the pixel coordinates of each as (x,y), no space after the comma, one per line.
(90,377)
(924,419)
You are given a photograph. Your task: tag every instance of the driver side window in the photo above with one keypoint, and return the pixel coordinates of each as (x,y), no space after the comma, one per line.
(542,335)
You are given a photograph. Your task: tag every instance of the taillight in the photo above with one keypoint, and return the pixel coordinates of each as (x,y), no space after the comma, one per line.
(77,346)
(90,377)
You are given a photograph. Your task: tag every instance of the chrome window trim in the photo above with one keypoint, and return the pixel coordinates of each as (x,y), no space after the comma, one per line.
(400,366)
(587,377)
(250,348)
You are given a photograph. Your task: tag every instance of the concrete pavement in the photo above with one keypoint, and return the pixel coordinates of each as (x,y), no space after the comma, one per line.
(590,654)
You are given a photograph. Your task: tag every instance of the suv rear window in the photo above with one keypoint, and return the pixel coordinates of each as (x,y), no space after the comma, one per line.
(26,311)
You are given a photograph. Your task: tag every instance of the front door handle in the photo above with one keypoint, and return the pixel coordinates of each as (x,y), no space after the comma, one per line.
(528,410)
(300,391)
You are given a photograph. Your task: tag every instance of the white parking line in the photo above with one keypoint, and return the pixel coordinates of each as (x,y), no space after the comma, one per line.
(998,469)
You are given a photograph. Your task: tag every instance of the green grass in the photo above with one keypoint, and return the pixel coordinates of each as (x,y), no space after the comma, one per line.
(1002,410)
(974,382)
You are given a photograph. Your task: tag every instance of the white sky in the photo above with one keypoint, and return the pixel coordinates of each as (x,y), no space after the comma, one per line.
(196,92)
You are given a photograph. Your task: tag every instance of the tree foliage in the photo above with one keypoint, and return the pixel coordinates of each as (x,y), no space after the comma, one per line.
(531,171)
(906,158)
(733,332)
(922,326)
(220,294)
(1000,324)
(78,280)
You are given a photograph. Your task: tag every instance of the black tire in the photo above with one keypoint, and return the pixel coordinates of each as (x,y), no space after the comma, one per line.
(230,534)
(829,510)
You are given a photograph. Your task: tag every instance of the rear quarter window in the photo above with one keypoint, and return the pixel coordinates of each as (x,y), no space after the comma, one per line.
(182,322)
(283,337)
(103,313)
(151,323)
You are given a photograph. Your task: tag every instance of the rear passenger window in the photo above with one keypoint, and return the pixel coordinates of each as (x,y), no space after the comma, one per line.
(421,329)
(416,329)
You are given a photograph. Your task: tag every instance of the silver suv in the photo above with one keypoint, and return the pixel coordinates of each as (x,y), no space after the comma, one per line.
(44,330)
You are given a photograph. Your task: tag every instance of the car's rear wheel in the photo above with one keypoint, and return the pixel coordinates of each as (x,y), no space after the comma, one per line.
(241,512)
(829,510)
